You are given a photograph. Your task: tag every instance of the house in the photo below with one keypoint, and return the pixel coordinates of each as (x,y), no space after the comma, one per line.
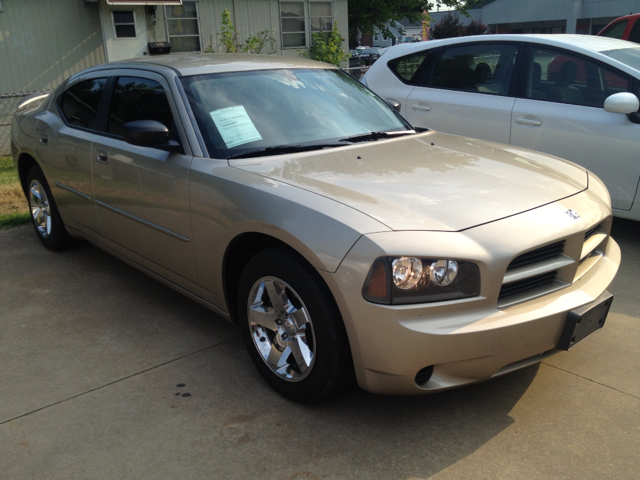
(42,42)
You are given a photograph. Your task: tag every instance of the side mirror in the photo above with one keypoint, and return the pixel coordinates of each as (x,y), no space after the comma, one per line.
(149,133)
(623,102)
(393,104)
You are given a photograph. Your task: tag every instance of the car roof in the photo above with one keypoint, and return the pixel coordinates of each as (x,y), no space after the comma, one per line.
(585,43)
(203,63)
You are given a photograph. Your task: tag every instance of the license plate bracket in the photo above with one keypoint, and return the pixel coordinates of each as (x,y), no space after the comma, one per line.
(585,321)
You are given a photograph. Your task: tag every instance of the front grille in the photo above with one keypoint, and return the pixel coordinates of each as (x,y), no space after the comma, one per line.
(526,284)
(538,255)
(591,231)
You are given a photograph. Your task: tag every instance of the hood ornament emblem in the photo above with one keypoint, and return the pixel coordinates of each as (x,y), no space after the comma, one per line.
(573,214)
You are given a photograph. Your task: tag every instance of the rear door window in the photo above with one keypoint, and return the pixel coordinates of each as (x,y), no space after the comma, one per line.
(80,103)
(480,68)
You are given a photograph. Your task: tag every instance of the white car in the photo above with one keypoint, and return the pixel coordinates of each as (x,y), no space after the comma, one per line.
(572,96)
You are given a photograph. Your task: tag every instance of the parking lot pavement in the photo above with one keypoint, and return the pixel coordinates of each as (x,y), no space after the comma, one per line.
(105,373)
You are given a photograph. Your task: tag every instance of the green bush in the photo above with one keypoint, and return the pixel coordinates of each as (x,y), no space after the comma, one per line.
(327,47)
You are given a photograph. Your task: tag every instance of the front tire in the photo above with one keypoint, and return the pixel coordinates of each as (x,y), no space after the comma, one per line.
(44,212)
(292,328)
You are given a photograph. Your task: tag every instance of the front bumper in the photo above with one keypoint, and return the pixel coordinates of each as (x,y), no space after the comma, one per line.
(470,340)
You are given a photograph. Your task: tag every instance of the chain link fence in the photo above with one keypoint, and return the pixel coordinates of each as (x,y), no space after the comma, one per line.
(357,72)
(8,104)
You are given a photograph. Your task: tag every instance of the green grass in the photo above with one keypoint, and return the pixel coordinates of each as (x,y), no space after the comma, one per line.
(13,206)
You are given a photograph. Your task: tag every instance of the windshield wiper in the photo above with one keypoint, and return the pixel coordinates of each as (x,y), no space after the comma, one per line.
(365,137)
(284,149)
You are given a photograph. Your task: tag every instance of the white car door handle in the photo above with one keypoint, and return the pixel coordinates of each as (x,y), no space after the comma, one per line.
(424,108)
(528,121)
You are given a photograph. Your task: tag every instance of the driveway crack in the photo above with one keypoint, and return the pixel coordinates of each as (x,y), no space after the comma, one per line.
(593,381)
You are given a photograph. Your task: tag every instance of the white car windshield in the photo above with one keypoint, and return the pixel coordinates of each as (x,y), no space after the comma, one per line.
(242,112)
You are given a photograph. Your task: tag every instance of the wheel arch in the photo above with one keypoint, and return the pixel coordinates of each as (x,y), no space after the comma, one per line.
(244,247)
(24,164)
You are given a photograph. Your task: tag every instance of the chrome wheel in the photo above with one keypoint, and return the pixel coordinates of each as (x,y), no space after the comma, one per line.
(281,329)
(40,209)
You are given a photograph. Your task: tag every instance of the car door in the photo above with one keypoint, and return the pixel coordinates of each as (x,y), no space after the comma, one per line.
(468,91)
(561,113)
(65,133)
(142,193)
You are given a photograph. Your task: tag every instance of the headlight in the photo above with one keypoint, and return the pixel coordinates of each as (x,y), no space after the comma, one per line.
(403,280)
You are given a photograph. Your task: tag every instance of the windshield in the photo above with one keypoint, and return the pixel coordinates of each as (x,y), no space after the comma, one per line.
(628,56)
(241,112)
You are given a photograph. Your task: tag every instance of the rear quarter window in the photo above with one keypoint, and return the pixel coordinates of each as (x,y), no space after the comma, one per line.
(79,104)
(411,69)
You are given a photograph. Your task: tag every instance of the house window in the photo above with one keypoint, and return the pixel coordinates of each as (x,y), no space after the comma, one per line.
(298,20)
(293,25)
(321,16)
(124,23)
(183,27)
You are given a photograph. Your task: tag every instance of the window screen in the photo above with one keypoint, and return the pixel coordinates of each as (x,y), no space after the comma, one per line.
(138,99)
(80,103)
(183,27)
(292,24)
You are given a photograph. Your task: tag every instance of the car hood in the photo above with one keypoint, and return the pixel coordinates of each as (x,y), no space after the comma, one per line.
(429,181)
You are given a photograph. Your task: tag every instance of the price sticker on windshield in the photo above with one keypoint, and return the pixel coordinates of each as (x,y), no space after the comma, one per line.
(235,126)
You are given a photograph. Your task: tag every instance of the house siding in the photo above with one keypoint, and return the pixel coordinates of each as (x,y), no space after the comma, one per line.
(42,42)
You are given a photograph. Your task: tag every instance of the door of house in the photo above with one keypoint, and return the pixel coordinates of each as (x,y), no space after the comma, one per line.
(125,31)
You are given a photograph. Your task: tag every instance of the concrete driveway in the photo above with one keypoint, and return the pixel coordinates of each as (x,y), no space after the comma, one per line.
(105,373)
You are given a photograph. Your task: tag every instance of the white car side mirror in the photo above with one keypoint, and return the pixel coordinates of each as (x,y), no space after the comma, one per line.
(622,102)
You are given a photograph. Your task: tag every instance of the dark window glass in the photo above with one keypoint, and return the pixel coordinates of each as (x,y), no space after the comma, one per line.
(123,17)
(138,99)
(412,68)
(565,78)
(80,103)
(634,34)
(124,23)
(125,31)
(482,68)
(616,30)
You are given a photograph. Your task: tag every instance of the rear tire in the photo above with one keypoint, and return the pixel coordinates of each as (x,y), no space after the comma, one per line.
(44,212)
(292,328)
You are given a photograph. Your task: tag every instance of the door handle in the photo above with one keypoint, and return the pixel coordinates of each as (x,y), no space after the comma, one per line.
(44,138)
(528,121)
(422,108)
(102,156)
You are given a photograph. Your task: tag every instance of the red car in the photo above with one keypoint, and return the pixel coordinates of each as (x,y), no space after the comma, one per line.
(625,28)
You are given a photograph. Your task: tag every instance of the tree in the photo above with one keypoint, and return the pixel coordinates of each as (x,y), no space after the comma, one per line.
(367,16)
(449,26)
(475,28)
